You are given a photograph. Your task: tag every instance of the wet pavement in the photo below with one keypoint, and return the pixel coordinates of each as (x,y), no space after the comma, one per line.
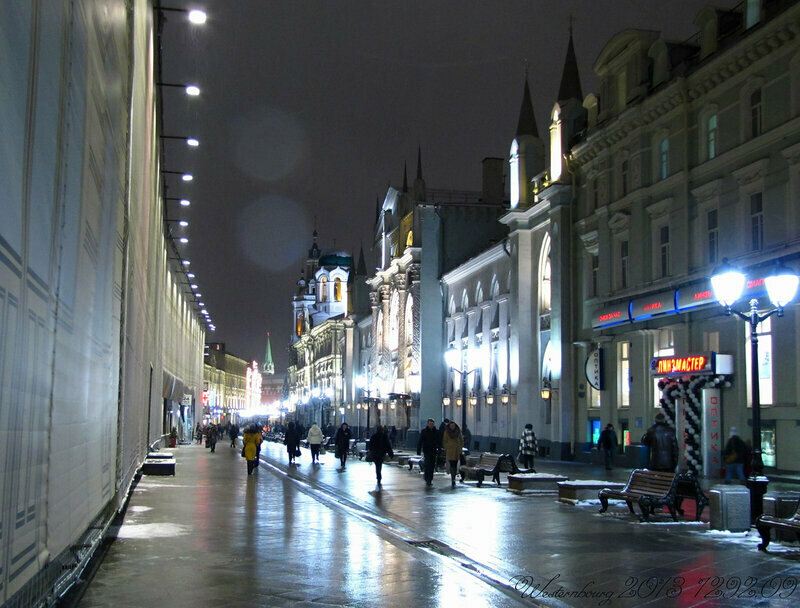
(317,535)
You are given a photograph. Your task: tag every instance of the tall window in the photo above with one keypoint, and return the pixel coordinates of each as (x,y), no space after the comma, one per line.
(409,319)
(624,374)
(711,136)
(712,236)
(756,221)
(623,264)
(752,13)
(755,113)
(323,289)
(663,153)
(663,251)
(546,289)
(394,321)
(624,177)
(337,289)
(595,193)
(595,270)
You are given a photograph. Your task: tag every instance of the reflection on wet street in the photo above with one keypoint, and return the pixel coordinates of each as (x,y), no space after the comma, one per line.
(317,535)
(212,534)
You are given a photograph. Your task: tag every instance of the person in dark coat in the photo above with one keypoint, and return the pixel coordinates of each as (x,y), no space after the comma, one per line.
(608,443)
(379,446)
(660,439)
(429,445)
(292,442)
(735,454)
(234,433)
(342,442)
(211,441)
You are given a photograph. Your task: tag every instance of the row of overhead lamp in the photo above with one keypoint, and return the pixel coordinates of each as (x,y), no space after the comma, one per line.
(196,17)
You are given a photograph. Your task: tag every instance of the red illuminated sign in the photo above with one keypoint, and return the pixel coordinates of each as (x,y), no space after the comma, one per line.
(204,398)
(609,316)
(703,363)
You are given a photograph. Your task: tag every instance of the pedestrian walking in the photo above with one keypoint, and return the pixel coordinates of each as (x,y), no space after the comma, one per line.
(251,441)
(234,433)
(735,454)
(453,444)
(211,438)
(198,433)
(292,442)
(527,447)
(429,445)
(663,447)
(314,439)
(608,443)
(342,443)
(379,446)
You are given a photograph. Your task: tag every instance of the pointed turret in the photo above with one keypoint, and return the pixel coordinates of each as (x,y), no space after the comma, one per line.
(361,267)
(527,120)
(419,183)
(570,87)
(268,366)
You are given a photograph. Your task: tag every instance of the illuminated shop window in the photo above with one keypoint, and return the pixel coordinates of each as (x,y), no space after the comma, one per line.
(624,374)
(764,360)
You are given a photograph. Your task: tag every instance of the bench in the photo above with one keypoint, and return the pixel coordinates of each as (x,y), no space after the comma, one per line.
(419,461)
(648,488)
(519,482)
(162,455)
(584,489)
(687,486)
(490,464)
(158,466)
(766,522)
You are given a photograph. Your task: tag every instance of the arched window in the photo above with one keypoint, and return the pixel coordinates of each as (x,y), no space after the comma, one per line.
(545,282)
(298,328)
(337,289)
(409,320)
(379,330)
(323,289)
(495,287)
(464,301)
(394,321)
(478,294)
(410,239)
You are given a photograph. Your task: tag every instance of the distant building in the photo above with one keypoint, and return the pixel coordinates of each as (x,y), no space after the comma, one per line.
(224,384)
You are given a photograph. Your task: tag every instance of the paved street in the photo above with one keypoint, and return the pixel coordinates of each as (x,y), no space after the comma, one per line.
(321,536)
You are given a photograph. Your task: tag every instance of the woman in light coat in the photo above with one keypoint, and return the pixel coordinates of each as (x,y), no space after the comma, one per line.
(453,443)
(314,439)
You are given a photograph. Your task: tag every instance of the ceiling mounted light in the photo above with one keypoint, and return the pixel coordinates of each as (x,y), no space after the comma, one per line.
(197,16)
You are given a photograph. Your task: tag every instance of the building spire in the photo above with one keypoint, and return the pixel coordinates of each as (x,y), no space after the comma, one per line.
(268,367)
(527,120)
(570,87)
(361,267)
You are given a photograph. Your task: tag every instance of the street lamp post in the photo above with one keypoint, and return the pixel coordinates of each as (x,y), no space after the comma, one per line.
(455,362)
(728,283)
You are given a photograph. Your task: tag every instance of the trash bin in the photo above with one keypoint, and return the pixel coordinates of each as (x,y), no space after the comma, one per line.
(730,508)
(781,504)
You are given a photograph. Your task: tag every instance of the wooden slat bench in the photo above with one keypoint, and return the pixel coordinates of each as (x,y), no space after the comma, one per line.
(767,522)
(647,488)
(490,464)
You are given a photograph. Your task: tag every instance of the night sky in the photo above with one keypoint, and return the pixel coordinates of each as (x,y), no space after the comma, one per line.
(309,110)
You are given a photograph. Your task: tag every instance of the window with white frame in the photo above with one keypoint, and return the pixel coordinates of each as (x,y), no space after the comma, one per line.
(623,176)
(394,321)
(755,113)
(712,135)
(756,221)
(663,158)
(663,251)
(665,347)
(624,374)
(408,319)
(712,236)
(765,373)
